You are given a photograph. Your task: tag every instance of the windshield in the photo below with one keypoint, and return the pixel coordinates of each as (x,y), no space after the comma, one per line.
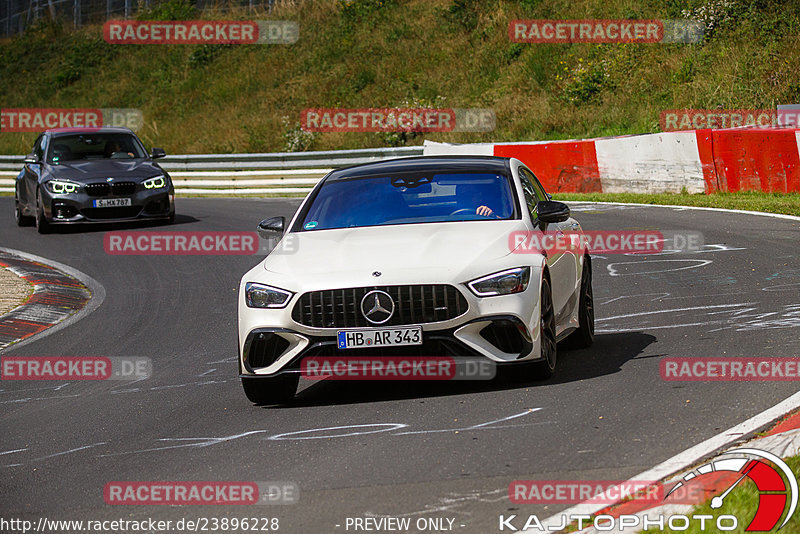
(407,199)
(94,146)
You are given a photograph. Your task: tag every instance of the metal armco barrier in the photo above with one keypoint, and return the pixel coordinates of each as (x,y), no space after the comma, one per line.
(278,173)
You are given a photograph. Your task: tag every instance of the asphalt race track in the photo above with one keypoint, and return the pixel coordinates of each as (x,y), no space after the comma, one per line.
(406,450)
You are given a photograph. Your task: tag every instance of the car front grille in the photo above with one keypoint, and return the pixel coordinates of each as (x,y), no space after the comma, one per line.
(104,189)
(122,212)
(414,304)
(97,190)
(123,188)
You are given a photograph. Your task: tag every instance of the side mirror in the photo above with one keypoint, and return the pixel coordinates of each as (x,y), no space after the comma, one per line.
(157,153)
(269,227)
(30,159)
(551,211)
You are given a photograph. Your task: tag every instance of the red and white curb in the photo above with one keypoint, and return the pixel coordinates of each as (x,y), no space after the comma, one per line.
(782,440)
(61,296)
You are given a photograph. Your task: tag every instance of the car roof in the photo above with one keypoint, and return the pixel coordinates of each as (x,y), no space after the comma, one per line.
(102,129)
(424,164)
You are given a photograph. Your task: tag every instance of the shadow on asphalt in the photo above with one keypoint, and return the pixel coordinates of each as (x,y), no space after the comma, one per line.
(607,356)
(138,224)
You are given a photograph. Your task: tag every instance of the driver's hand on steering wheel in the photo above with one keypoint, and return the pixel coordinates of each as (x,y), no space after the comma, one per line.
(486,211)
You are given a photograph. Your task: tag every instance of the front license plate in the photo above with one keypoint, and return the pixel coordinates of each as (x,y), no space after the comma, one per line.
(379,337)
(111,202)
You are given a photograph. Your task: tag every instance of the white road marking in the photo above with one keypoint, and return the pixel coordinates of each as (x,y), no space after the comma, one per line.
(12,452)
(77,449)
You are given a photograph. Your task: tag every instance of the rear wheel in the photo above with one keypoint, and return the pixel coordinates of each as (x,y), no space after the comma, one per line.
(273,390)
(547,332)
(584,336)
(42,226)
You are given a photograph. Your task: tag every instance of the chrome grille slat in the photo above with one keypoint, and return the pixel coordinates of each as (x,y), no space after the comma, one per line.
(414,304)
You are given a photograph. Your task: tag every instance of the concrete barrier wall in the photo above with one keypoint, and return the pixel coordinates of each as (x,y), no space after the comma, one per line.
(697,161)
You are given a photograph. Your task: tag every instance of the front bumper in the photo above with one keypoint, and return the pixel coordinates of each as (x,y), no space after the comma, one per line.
(501,329)
(79,207)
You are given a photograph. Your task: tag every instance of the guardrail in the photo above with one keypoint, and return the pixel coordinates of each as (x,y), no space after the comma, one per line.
(277,173)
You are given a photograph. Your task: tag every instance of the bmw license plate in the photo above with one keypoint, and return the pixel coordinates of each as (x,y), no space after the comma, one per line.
(379,337)
(111,202)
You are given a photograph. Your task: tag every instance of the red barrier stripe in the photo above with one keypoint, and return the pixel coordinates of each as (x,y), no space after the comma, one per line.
(561,166)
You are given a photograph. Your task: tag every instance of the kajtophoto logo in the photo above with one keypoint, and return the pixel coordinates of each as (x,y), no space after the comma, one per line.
(774,497)
(774,481)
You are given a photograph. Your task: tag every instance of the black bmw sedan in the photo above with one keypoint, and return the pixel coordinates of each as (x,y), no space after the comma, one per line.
(77,175)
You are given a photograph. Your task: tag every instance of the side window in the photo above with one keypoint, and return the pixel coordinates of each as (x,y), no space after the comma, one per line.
(528,189)
(38,148)
(540,192)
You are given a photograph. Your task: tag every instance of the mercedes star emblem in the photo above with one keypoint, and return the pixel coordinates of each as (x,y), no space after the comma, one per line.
(377,306)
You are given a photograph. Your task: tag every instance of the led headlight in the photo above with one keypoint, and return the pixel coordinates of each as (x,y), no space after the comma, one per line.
(263,296)
(502,283)
(156,182)
(61,187)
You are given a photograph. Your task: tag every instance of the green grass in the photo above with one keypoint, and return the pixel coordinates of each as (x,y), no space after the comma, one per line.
(387,53)
(788,204)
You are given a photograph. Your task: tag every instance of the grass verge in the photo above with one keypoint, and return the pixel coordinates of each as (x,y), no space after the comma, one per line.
(788,204)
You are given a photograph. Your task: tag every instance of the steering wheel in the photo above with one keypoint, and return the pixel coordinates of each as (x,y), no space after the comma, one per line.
(462,210)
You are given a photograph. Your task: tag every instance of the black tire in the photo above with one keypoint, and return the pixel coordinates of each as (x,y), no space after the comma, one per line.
(584,336)
(274,390)
(42,226)
(547,334)
(22,220)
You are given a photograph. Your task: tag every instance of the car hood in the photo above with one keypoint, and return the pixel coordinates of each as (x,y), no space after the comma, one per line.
(84,171)
(433,253)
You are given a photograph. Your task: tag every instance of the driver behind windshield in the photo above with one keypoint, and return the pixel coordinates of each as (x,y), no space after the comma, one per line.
(471,195)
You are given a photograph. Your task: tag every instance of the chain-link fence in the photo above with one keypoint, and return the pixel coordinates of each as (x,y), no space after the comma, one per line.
(16,15)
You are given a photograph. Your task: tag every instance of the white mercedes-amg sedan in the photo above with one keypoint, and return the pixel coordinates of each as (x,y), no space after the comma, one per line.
(414,257)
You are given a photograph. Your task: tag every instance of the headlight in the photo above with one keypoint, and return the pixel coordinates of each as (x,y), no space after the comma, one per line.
(502,283)
(61,187)
(156,182)
(261,296)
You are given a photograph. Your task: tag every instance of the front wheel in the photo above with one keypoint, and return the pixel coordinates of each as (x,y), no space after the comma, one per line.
(42,226)
(272,390)
(547,333)
(21,220)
